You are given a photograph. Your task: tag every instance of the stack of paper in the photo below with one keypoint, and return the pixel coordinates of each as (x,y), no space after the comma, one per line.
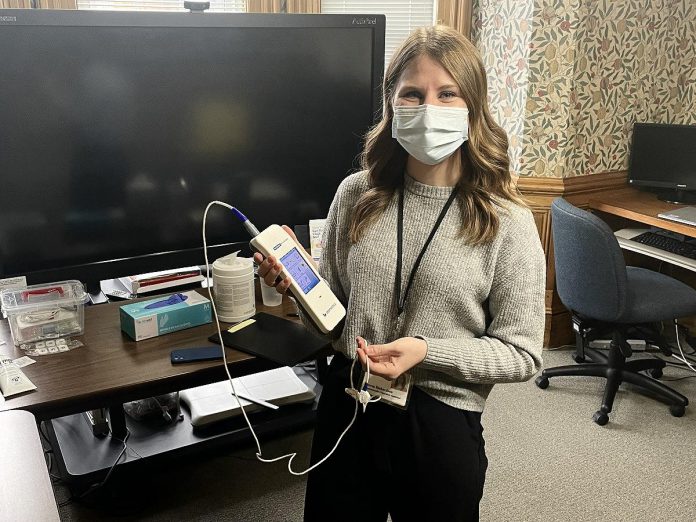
(213,402)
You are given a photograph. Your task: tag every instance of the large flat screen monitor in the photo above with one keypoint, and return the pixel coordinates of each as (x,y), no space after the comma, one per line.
(663,159)
(117,129)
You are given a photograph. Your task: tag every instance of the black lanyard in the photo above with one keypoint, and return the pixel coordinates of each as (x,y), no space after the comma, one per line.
(401,301)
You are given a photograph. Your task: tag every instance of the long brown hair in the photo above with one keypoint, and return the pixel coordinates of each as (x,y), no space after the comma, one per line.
(484,155)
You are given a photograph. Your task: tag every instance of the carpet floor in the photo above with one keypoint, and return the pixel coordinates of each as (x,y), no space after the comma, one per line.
(547,461)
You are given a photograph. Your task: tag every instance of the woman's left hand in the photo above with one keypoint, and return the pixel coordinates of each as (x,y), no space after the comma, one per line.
(392,359)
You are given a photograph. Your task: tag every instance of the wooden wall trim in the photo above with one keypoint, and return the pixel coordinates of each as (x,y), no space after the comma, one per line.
(558,187)
(539,193)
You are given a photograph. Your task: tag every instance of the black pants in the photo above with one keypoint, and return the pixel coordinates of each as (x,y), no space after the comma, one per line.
(425,463)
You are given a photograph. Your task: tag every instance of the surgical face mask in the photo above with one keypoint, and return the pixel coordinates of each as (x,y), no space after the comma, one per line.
(430,133)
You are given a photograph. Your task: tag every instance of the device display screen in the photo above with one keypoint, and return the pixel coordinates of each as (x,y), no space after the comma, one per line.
(299,270)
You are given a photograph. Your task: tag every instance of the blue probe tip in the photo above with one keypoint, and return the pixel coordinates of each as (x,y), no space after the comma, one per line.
(239,215)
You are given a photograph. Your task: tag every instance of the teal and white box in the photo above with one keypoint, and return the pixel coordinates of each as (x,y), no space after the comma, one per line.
(186,310)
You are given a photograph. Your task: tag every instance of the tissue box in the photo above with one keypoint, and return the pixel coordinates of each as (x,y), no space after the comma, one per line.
(165,314)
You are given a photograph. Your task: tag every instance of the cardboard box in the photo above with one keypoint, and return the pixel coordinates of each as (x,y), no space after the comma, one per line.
(140,284)
(165,314)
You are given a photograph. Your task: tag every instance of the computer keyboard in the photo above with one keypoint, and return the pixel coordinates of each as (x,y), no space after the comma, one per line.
(667,244)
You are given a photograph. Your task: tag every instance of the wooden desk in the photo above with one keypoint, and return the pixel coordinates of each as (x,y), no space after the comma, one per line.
(111,369)
(640,206)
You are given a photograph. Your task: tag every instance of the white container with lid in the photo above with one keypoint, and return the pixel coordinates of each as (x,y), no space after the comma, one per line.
(48,311)
(233,288)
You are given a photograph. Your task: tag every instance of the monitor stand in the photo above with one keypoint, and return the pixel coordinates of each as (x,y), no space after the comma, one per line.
(677,196)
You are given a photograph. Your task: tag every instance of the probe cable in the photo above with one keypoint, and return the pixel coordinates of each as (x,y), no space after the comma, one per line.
(361,396)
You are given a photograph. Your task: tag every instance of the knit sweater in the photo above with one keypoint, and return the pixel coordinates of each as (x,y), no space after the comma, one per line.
(480,309)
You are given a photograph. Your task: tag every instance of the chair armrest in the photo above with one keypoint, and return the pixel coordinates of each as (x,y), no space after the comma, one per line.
(26,492)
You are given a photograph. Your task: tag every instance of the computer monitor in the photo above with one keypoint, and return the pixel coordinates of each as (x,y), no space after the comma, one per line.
(117,129)
(663,159)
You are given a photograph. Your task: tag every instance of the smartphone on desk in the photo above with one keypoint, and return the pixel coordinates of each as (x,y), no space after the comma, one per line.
(199,353)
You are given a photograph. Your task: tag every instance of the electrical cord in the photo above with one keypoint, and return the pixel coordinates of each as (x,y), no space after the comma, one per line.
(361,396)
(44,436)
(95,487)
(683,357)
(309,373)
(562,347)
(309,368)
(679,378)
(165,414)
(686,338)
(48,454)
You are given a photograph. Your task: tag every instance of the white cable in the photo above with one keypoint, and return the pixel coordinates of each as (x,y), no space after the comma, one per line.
(361,396)
(683,357)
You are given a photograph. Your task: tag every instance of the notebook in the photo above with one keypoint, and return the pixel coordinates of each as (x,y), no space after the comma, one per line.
(214,402)
(273,338)
(686,215)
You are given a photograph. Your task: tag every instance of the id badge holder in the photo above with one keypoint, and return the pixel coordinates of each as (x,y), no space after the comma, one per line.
(395,393)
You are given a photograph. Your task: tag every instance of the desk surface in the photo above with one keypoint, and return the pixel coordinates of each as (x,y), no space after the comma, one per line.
(640,206)
(111,368)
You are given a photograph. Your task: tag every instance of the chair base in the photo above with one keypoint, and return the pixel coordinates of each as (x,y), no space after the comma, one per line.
(616,370)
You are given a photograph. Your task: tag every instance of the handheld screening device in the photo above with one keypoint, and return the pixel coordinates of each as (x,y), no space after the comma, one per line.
(307,287)
(316,299)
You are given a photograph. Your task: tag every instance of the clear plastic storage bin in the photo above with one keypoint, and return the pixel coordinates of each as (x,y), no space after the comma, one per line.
(47,311)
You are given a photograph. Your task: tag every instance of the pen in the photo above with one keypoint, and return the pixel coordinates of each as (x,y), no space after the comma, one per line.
(257,401)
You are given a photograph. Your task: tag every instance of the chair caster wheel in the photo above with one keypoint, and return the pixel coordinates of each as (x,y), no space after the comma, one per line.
(542,382)
(677,410)
(578,358)
(655,373)
(600,418)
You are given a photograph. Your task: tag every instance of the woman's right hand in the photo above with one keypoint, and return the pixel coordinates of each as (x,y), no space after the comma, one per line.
(270,267)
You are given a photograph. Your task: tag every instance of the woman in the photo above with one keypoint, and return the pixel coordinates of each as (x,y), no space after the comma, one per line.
(441,270)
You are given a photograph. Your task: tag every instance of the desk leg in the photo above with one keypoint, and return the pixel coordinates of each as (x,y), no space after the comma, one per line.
(117,419)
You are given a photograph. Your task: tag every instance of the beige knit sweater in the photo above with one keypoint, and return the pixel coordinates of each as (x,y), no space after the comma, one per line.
(480,309)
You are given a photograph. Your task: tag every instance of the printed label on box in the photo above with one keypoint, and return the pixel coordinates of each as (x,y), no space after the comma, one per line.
(13,282)
(316,229)
(162,315)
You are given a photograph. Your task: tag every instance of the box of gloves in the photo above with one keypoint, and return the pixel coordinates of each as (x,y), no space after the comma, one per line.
(165,314)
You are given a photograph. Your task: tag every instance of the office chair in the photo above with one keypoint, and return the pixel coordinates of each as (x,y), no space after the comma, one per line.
(608,299)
